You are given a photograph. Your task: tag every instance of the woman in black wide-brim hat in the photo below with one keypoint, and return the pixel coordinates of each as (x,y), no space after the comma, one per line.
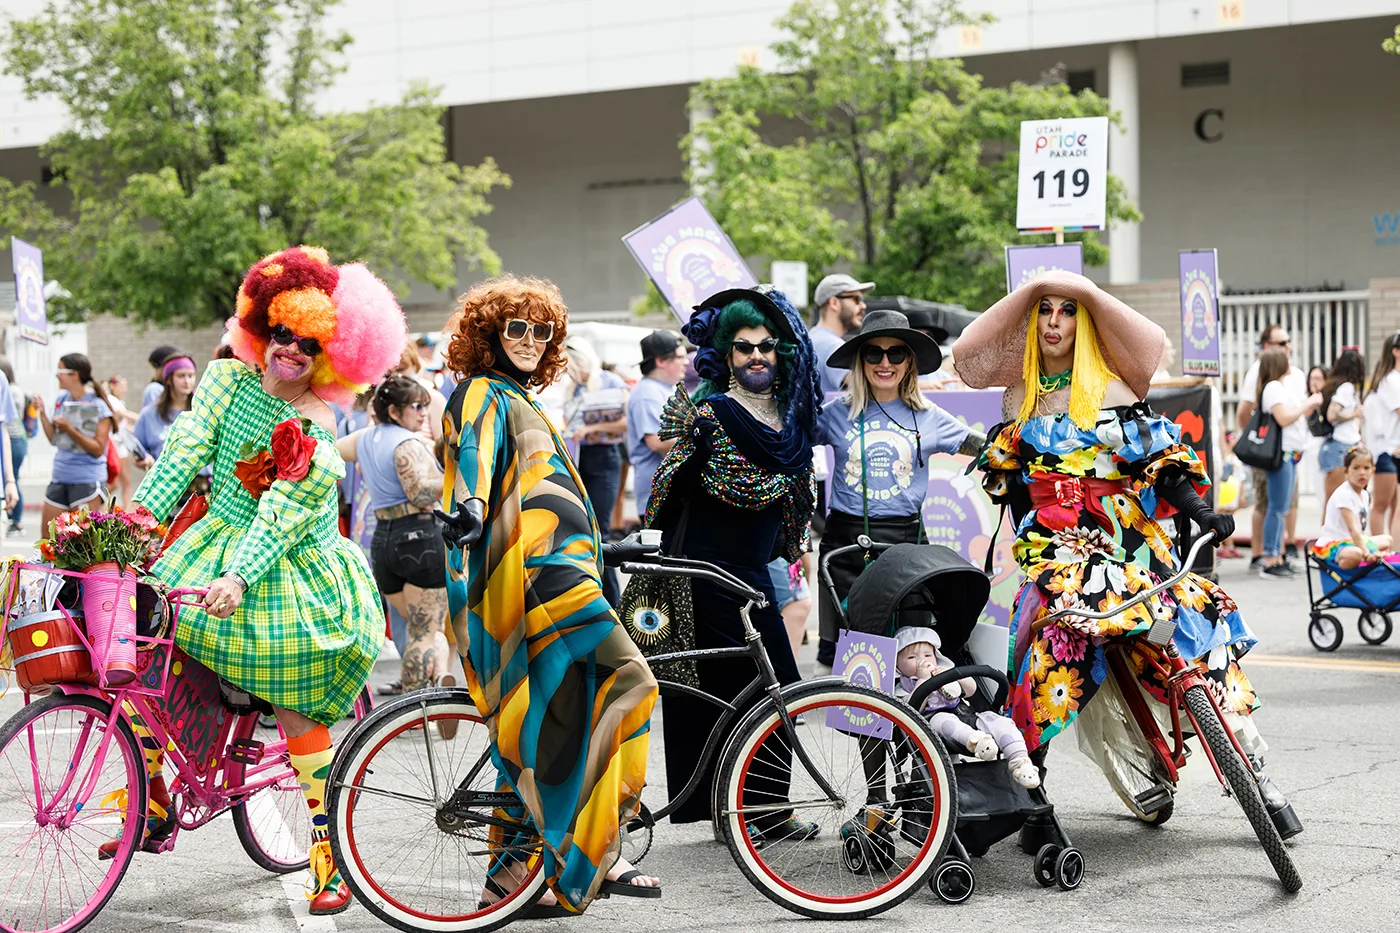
(883,430)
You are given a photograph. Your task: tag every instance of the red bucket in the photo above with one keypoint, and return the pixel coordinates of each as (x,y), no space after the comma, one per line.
(47,651)
(109,606)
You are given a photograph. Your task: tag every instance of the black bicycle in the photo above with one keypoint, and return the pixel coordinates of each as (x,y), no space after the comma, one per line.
(419,819)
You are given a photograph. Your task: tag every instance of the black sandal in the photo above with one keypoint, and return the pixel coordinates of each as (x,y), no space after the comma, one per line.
(622,886)
(536,911)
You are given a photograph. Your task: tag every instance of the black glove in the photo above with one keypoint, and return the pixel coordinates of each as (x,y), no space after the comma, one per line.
(1176,489)
(463,528)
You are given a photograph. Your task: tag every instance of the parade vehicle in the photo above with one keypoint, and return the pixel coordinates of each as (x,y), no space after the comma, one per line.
(1373,588)
(418,823)
(916,579)
(72,769)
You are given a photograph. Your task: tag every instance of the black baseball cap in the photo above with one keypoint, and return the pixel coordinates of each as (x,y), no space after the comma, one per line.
(659,344)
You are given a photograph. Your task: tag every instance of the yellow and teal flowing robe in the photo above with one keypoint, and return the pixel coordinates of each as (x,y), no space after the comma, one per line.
(566,695)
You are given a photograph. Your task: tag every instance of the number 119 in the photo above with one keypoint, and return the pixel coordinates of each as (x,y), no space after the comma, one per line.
(1080,179)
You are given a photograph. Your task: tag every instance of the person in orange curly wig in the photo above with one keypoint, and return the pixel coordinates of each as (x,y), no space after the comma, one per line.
(578,755)
(483,339)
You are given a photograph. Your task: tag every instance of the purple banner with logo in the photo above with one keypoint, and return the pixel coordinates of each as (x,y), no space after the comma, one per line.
(1026,262)
(1200,312)
(867,660)
(688,256)
(31,313)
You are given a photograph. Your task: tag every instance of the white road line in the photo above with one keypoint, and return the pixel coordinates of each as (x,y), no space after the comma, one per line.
(294,888)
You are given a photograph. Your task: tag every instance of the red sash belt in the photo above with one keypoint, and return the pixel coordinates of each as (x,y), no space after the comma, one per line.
(1060,497)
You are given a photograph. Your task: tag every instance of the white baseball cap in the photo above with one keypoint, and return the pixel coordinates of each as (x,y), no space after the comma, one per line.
(834,285)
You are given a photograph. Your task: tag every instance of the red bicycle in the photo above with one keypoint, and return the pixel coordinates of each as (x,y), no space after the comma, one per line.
(73,775)
(1145,776)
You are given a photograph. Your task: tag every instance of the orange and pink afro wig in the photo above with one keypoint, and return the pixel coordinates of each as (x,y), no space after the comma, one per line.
(352,313)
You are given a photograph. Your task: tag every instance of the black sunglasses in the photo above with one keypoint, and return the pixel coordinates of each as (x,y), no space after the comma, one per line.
(873,354)
(282,334)
(744,348)
(517,328)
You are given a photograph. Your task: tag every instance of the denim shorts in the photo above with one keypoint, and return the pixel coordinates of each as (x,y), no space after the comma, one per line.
(72,495)
(781,576)
(1385,463)
(1331,455)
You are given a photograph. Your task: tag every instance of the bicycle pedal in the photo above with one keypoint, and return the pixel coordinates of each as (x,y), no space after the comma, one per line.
(245,751)
(1154,798)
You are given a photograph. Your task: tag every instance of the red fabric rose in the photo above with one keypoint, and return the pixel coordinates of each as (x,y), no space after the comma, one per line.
(256,473)
(292,450)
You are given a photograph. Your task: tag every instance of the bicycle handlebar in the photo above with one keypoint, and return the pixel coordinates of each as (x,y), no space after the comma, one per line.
(1138,599)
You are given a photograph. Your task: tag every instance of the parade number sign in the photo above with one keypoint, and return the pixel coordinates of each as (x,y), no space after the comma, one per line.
(1200,312)
(688,256)
(1063,180)
(1024,263)
(31,313)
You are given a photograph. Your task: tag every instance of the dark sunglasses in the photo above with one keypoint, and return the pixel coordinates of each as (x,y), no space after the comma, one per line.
(419,407)
(516,329)
(873,354)
(744,348)
(282,334)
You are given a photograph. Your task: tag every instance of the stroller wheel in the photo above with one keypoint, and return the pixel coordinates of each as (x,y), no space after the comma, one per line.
(953,882)
(1374,627)
(1069,869)
(1325,632)
(1044,866)
(853,856)
(865,846)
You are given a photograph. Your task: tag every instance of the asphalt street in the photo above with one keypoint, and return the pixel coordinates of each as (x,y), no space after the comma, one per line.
(1330,721)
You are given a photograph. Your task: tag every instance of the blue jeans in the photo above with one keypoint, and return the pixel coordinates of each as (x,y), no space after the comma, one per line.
(600,468)
(1280,484)
(19,446)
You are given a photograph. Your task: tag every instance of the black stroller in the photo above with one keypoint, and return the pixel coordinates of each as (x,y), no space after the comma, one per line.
(901,587)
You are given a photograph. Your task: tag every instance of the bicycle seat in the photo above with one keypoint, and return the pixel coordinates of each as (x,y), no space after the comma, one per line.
(636,546)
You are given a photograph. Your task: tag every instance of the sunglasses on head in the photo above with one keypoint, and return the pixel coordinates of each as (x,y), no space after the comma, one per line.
(873,354)
(282,335)
(744,348)
(516,329)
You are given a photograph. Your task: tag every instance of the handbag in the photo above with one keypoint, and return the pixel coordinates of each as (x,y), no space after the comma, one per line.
(1261,444)
(657,612)
(114,462)
(1319,425)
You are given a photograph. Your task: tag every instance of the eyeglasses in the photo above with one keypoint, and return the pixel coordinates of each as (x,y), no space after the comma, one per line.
(873,354)
(67,372)
(744,348)
(516,329)
(282,335)
(1280,343)
(419,407)
(856,297)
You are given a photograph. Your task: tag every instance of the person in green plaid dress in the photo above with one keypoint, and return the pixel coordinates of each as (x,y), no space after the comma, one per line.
(292,614)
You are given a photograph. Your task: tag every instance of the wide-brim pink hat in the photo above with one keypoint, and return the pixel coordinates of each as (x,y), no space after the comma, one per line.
(991,349)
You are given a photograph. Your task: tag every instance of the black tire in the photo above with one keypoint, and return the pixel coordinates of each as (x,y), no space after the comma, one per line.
(1325,632)
(909,874)
(1069,869)
(953,882)
(1374,627)
(127,747)
(1239,776)
(1043,868)
(410,718)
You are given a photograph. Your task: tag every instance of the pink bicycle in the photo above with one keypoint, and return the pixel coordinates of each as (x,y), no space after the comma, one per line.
(73,774)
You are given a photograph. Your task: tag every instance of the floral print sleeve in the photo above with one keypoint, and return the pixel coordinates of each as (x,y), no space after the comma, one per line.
(998,461)
(1150,446)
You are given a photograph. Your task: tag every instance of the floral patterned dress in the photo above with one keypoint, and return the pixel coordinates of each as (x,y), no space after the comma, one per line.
(1092,540)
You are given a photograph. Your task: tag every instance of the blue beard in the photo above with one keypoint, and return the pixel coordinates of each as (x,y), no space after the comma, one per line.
(760,381)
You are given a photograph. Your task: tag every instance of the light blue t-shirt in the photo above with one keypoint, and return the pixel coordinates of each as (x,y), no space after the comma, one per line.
(825,343)
(644,417)
(374,451)
(76,466)
(8,414)
(606,381)
(151,429)
(151,394)
(895,481)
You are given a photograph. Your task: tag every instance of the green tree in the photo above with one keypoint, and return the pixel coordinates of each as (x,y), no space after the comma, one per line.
(1392,45)
(861,147)
(193,148)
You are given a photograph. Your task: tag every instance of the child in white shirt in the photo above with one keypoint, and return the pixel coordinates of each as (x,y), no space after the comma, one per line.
(1343,540)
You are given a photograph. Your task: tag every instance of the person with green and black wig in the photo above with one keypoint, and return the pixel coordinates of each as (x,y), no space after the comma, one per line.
(736,490)
(883,431)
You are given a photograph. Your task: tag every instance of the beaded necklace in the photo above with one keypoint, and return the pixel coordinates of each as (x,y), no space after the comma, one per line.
(1057,381)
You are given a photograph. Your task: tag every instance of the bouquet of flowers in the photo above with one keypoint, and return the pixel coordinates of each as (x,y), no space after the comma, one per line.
(81,538)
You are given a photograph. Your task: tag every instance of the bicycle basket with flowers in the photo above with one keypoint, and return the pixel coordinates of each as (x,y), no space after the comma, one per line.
(106,549)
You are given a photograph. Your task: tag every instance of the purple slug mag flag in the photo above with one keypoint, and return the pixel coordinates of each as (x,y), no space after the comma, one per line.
(688,256)
(867,660)
(1200,312)
(31,312)
(1026,262)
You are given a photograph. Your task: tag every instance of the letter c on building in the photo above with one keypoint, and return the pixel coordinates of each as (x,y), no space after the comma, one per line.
(1201,133)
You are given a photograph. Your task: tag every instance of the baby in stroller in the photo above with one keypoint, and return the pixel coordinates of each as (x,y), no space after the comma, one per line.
(984,733)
